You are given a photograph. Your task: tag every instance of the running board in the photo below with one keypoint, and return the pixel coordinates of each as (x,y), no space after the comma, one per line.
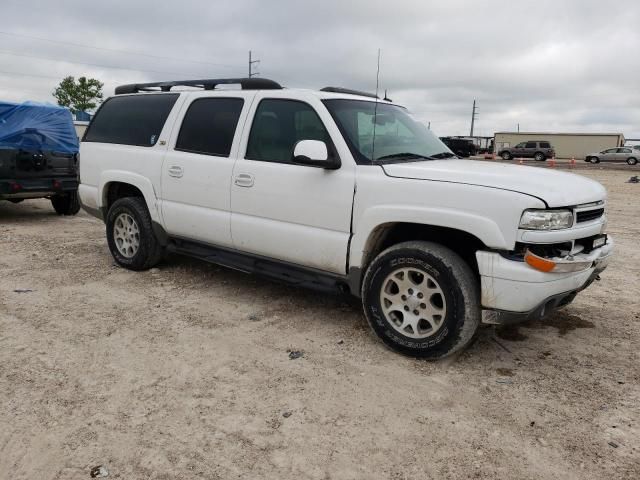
(282,272)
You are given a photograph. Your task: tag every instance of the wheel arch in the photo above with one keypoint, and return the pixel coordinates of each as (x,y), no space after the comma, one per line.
(364,248)
(385,235)
(114,185)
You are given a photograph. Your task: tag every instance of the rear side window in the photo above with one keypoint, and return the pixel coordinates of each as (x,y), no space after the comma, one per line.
(131,120)
(209,126)
(278,125)
(530,145)
(545,145)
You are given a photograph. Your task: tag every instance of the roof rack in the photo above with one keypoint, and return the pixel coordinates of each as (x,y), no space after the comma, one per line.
(348,91)
(207,84)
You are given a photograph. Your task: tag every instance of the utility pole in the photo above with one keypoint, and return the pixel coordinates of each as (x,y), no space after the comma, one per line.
(473,117)
(251,63)
(518,128)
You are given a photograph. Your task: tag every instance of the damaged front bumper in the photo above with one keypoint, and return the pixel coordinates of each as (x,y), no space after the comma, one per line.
(514,291)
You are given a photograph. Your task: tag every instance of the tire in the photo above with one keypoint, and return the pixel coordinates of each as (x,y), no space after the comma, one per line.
(539,156)
(594,160)
(427,267)
(67,204)
(632,161)
(506,156)
(130,235)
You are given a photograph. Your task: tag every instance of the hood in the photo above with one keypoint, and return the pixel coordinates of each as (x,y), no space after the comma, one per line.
(557,189)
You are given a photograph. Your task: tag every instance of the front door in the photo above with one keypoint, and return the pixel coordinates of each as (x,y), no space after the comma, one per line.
(609,155)
(196,171)
(294,213)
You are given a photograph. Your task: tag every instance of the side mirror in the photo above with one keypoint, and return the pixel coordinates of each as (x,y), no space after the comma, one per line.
(314,153)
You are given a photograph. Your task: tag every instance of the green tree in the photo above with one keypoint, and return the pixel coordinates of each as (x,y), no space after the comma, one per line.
(79,96)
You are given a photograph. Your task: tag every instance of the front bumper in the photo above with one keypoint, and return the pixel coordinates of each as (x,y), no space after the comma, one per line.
(513,291)
(36,187)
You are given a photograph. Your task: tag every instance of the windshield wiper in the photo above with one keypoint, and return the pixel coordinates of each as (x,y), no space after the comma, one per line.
(404,155)
(444,155)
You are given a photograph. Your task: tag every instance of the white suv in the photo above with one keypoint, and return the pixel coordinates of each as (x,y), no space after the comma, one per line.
(338,190)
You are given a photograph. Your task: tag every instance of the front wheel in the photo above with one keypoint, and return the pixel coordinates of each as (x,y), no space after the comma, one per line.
(632,161)
(506,156)
(422,299)
(130,235)
(67,204)
(594,160)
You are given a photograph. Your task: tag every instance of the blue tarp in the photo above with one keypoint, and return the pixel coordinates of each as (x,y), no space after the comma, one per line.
(37,126)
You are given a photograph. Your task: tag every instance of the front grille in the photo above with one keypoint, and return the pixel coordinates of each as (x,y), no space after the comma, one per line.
(588,215)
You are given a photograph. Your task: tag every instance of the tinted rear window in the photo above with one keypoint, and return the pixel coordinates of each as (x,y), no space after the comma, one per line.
(131,120)
(530,145)
(209,126)
(545,145)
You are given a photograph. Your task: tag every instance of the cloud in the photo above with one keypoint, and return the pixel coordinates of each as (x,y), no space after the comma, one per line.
(547,65)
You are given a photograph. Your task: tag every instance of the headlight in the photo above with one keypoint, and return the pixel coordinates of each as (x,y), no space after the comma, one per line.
(546,219)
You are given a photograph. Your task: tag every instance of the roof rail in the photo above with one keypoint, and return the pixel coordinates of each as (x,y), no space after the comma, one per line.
(206,84)
(348,91)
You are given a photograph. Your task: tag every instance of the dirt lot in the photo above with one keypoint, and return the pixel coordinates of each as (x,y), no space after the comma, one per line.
(184,372)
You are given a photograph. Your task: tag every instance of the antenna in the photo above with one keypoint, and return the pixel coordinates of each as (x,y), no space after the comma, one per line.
(251,63)
(375,110)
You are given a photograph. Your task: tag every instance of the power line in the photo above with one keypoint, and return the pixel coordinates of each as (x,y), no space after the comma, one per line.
(143,54)
(19,74)
(7,52)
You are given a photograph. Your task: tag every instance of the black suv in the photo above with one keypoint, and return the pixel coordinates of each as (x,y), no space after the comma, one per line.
(460,146)
(540,150)
(39,155)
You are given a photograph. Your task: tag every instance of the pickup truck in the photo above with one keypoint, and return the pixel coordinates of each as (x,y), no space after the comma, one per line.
(39,155)
(338,190)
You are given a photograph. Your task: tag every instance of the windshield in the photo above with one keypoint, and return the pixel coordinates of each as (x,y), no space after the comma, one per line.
(394,136)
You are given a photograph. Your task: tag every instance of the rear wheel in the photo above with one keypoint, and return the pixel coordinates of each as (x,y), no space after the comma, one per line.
(130,235)
(422,300)
(632,161)
(506,156)
(540,157)
(67,204)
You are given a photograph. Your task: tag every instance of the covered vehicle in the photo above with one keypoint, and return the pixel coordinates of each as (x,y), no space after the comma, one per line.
(39,155)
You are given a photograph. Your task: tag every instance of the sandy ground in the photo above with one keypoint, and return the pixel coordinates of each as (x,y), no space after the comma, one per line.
(185,373)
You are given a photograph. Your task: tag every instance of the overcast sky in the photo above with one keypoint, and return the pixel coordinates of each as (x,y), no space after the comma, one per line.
(562,65)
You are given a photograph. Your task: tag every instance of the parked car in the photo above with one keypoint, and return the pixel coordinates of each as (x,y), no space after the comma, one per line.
(39,155)
(540,150)
(459,146)
(618,154)
(340,191)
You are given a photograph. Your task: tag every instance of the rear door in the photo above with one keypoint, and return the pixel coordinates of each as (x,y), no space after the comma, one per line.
(530,149)
(294,213)
(546,148)
(196,171)
(622,154)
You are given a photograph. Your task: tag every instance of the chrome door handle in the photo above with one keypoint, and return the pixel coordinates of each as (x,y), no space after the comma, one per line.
(244,180)
(175,171)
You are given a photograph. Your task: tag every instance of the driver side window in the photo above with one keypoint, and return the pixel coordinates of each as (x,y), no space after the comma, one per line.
(278,125)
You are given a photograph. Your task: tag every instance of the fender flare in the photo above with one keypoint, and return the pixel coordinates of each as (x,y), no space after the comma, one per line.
(140,182)
(485,229)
